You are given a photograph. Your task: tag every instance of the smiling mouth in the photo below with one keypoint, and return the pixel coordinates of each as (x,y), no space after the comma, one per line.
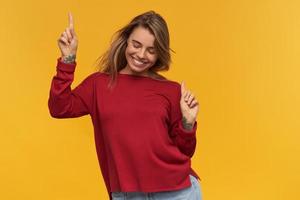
(138,62)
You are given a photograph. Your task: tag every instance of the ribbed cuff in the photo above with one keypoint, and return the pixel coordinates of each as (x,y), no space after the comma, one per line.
(67,67)
(188,133)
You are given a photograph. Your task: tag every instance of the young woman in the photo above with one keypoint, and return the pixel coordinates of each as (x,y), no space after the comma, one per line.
(144,124)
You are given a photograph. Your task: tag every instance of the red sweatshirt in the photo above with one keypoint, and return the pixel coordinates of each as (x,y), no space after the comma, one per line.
(140,141)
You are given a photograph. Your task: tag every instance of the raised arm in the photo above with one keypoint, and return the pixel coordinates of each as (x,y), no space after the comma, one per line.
(64,102)
(68,42)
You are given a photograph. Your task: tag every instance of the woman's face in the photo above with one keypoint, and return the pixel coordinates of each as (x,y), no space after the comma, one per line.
(140,52)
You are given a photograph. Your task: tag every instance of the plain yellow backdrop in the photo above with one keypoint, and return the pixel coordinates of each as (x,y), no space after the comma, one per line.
(240,58)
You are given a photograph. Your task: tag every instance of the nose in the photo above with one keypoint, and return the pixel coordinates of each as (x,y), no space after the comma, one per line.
(141,53)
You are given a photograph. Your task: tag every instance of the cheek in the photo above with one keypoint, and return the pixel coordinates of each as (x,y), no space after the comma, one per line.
(153,59)
(130,50)
(128,53)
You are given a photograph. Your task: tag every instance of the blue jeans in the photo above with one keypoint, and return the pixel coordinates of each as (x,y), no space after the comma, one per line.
(193,192)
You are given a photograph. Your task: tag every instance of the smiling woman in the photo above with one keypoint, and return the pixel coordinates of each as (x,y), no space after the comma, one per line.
(145,44)
(145,128)
(140,53)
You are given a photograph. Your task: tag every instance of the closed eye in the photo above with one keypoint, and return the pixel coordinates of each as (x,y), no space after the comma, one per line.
(137,44)
(152,51)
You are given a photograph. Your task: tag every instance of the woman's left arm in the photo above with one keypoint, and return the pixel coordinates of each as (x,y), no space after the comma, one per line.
(183,125)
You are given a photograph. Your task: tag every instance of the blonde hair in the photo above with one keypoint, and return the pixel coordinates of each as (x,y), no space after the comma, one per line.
(113,60)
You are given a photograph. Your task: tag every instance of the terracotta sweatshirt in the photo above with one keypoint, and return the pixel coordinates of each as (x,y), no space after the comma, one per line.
(140,141)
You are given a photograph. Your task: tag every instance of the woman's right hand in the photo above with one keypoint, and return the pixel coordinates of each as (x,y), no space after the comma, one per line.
(68,40)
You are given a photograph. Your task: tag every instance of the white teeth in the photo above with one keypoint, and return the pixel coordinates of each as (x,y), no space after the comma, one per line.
(138,62)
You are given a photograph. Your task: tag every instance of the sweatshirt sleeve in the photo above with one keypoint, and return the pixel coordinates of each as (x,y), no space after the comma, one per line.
(183,138)
(64,102)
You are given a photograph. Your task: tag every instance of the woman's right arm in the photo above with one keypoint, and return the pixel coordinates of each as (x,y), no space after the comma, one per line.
(64,102)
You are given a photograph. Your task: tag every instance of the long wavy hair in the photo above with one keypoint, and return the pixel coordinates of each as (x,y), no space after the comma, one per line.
(113,60)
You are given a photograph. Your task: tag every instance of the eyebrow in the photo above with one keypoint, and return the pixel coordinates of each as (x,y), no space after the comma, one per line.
(141,43)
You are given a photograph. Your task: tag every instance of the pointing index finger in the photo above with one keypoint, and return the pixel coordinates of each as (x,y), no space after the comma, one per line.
(182,87)
(71,22)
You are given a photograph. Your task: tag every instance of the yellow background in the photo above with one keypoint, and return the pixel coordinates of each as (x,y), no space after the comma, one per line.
(240,58)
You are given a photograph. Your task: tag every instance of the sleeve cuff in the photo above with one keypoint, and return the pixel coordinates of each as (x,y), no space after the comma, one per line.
(67,67)
(186,132)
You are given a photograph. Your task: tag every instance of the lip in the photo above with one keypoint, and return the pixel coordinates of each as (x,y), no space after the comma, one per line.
(144,63)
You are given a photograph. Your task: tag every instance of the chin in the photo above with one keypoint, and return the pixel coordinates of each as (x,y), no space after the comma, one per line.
(135,69)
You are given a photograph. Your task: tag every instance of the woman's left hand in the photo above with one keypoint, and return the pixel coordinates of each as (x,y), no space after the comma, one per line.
(189,105)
